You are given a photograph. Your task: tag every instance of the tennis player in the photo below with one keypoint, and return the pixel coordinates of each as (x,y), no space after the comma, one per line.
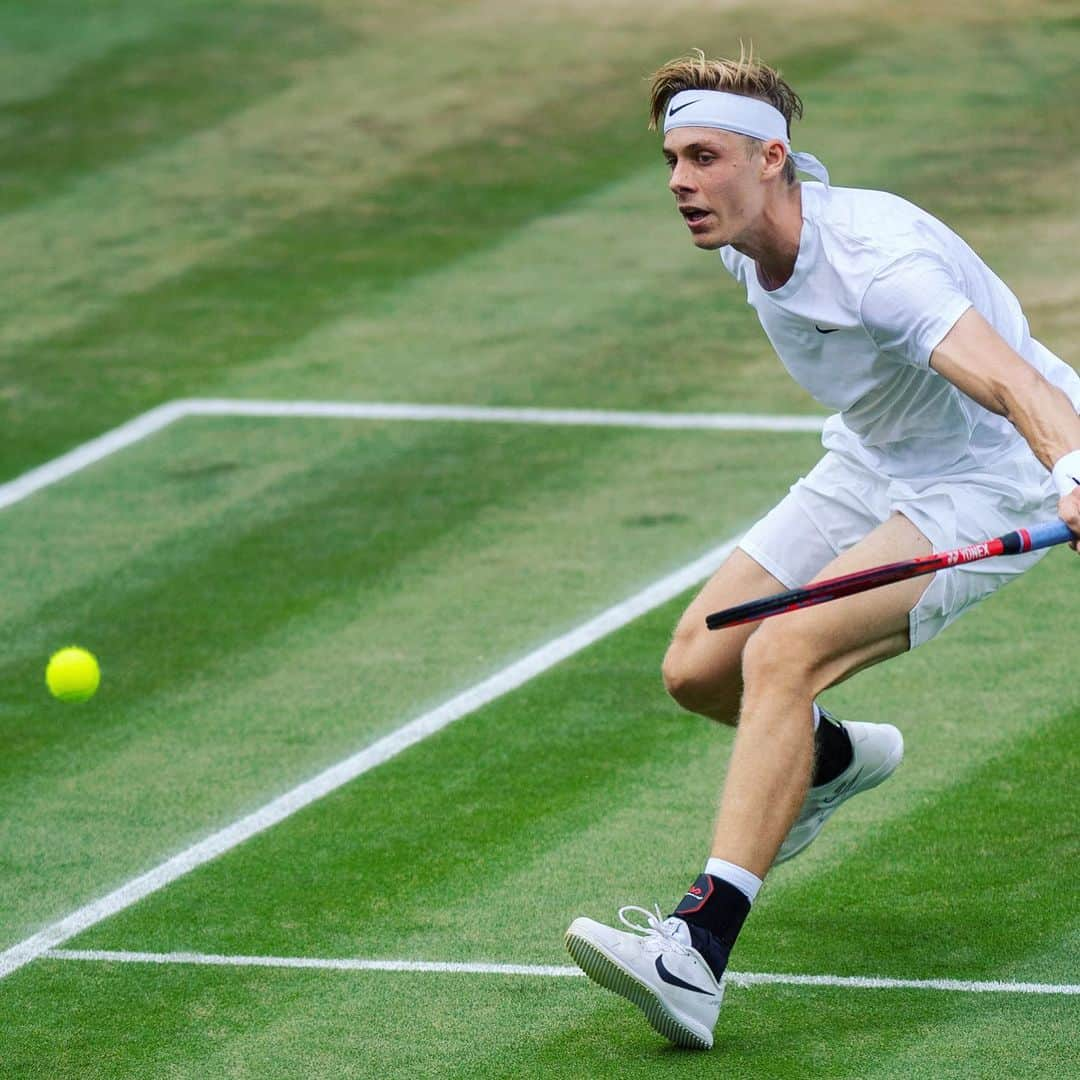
(952,424)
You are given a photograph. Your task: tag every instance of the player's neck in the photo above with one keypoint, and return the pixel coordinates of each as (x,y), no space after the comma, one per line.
(773,243)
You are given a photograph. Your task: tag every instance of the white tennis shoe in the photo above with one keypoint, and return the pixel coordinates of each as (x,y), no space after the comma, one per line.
(655,967)
(877,750)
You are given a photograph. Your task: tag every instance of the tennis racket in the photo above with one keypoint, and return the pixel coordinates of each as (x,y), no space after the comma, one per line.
(1013,543)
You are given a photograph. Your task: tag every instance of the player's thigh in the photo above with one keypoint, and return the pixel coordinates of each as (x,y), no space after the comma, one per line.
(786,548)
(817,647)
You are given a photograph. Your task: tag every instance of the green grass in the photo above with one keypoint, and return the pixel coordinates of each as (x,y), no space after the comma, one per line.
(364,1025)
(459,203)
(136,94)
(491,862)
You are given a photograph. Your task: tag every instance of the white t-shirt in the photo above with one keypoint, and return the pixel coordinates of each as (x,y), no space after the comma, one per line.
(877,284)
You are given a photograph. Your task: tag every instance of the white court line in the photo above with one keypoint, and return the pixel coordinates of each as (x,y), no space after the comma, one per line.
(482,414)
(148,423)
(741,979)
(64,466)
(511,677)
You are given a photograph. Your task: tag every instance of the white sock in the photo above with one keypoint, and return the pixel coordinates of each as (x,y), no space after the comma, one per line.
(747,883)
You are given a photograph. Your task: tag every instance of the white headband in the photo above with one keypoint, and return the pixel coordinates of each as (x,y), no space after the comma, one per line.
(741,114)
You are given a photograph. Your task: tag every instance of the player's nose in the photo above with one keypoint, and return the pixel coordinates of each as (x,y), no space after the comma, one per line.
(680,179)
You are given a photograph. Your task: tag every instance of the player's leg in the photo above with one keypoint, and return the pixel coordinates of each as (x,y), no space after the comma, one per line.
(703,673)
(703,670)
(786,664)
(672,971)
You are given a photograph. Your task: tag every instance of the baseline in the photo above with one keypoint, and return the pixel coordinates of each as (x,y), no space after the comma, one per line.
(733,978)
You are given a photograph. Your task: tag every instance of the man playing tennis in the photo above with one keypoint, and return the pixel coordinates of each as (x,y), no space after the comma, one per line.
(952,425)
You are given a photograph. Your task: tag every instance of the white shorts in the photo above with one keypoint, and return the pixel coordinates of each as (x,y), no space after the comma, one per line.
(841,500)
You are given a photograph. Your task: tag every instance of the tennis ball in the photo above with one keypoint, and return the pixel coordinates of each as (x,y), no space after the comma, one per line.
(72,674)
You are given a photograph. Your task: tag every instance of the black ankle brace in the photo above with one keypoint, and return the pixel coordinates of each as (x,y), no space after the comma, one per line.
(715,911)
(832,750)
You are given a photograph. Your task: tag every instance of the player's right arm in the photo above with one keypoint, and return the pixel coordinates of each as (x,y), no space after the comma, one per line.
(978,361)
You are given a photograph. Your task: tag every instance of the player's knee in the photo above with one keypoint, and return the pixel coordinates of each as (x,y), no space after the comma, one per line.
(697,682)
(778,660)
(682,678)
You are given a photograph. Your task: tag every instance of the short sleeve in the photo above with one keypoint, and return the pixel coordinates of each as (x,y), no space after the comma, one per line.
(910,305)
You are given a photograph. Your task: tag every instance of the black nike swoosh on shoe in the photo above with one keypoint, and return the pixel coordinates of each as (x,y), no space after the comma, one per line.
(684,105)
(674,980)
(820,331)
(843,789)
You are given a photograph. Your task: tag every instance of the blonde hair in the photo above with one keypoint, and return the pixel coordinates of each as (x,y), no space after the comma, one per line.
(748,76)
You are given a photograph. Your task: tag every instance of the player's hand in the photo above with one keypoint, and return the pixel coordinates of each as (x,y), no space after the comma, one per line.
(1069,512)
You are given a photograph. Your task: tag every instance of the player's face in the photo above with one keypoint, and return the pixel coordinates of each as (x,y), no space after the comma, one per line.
(717,188)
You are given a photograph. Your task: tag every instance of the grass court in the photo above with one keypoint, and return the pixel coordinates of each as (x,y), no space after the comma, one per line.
(458,204)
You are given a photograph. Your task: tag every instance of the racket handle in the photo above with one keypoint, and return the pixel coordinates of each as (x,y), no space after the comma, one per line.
(1045,535)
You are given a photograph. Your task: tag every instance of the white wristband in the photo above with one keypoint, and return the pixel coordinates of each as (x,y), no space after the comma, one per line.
(1067,472)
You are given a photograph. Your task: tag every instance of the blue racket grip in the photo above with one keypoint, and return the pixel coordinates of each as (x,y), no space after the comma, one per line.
(1045,535)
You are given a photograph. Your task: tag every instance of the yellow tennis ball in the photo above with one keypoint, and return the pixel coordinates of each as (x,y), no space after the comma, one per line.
(72,674)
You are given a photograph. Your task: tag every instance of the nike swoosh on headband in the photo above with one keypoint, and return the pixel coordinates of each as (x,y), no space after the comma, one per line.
(684,105)
(820,331)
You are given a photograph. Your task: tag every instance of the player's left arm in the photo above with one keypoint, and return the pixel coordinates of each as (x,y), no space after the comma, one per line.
(977,360)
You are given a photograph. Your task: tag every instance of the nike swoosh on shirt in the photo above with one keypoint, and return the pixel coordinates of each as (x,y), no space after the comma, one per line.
(684,105)
(674,980)
(820,331)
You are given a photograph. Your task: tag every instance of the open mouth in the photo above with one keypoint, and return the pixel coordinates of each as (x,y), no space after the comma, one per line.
(693,215)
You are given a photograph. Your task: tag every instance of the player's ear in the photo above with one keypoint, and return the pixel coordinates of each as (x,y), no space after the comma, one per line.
(773,154)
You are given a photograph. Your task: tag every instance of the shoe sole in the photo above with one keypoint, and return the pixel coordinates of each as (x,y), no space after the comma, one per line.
(607,972)
(879,776)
